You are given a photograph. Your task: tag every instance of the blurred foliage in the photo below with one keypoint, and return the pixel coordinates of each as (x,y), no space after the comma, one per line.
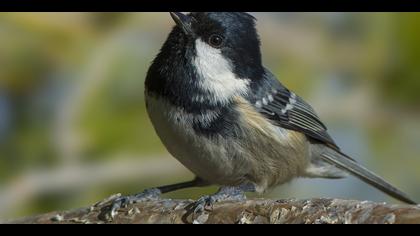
(71,87)
(402,78)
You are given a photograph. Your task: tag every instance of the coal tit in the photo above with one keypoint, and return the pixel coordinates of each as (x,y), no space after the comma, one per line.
(227,118)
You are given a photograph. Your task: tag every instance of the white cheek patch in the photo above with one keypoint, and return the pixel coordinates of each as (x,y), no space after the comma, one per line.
(215,73)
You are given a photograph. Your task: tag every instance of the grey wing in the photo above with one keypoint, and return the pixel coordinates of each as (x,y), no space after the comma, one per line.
(288,110)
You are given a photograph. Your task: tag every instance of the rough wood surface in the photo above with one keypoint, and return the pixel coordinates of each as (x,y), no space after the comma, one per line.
(291,211)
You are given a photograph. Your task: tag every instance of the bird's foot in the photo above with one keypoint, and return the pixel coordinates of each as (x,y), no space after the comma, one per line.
(124,201)
(224,194)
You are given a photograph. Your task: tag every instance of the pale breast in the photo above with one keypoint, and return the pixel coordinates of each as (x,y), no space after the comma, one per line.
(259,152)
(206,158)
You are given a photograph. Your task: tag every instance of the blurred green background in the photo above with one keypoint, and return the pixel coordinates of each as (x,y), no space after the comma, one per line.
(73,127)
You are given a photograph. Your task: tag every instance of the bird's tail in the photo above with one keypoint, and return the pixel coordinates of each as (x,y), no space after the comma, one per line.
(344,162)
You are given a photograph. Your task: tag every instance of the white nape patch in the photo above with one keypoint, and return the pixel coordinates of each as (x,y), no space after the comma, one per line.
(290,104)
(216,74)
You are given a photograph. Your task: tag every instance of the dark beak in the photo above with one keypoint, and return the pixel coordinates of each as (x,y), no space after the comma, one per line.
(183,21)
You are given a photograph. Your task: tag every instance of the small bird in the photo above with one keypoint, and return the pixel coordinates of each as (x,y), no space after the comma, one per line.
(228,119)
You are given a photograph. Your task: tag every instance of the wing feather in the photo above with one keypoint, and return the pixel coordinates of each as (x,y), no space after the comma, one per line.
(288,110)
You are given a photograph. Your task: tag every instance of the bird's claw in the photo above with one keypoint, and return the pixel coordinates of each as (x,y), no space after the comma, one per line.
(203,203)
(224,194)
(124,201)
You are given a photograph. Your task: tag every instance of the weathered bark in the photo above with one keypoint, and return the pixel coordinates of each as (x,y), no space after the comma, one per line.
(312,211)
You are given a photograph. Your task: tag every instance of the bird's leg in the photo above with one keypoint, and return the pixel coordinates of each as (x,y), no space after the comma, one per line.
(152,194)
(225,193)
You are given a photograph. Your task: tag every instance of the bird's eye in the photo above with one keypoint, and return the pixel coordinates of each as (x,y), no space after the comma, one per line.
(215,40)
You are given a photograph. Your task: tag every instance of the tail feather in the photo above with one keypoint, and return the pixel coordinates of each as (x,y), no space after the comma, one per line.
(346,163)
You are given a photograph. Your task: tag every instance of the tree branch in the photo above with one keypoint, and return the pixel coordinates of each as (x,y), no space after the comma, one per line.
(312,211)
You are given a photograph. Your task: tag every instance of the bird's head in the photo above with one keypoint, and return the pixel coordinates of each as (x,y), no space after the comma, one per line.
(218,40)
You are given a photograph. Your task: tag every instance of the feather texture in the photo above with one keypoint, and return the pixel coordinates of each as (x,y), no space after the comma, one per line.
(288,110)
